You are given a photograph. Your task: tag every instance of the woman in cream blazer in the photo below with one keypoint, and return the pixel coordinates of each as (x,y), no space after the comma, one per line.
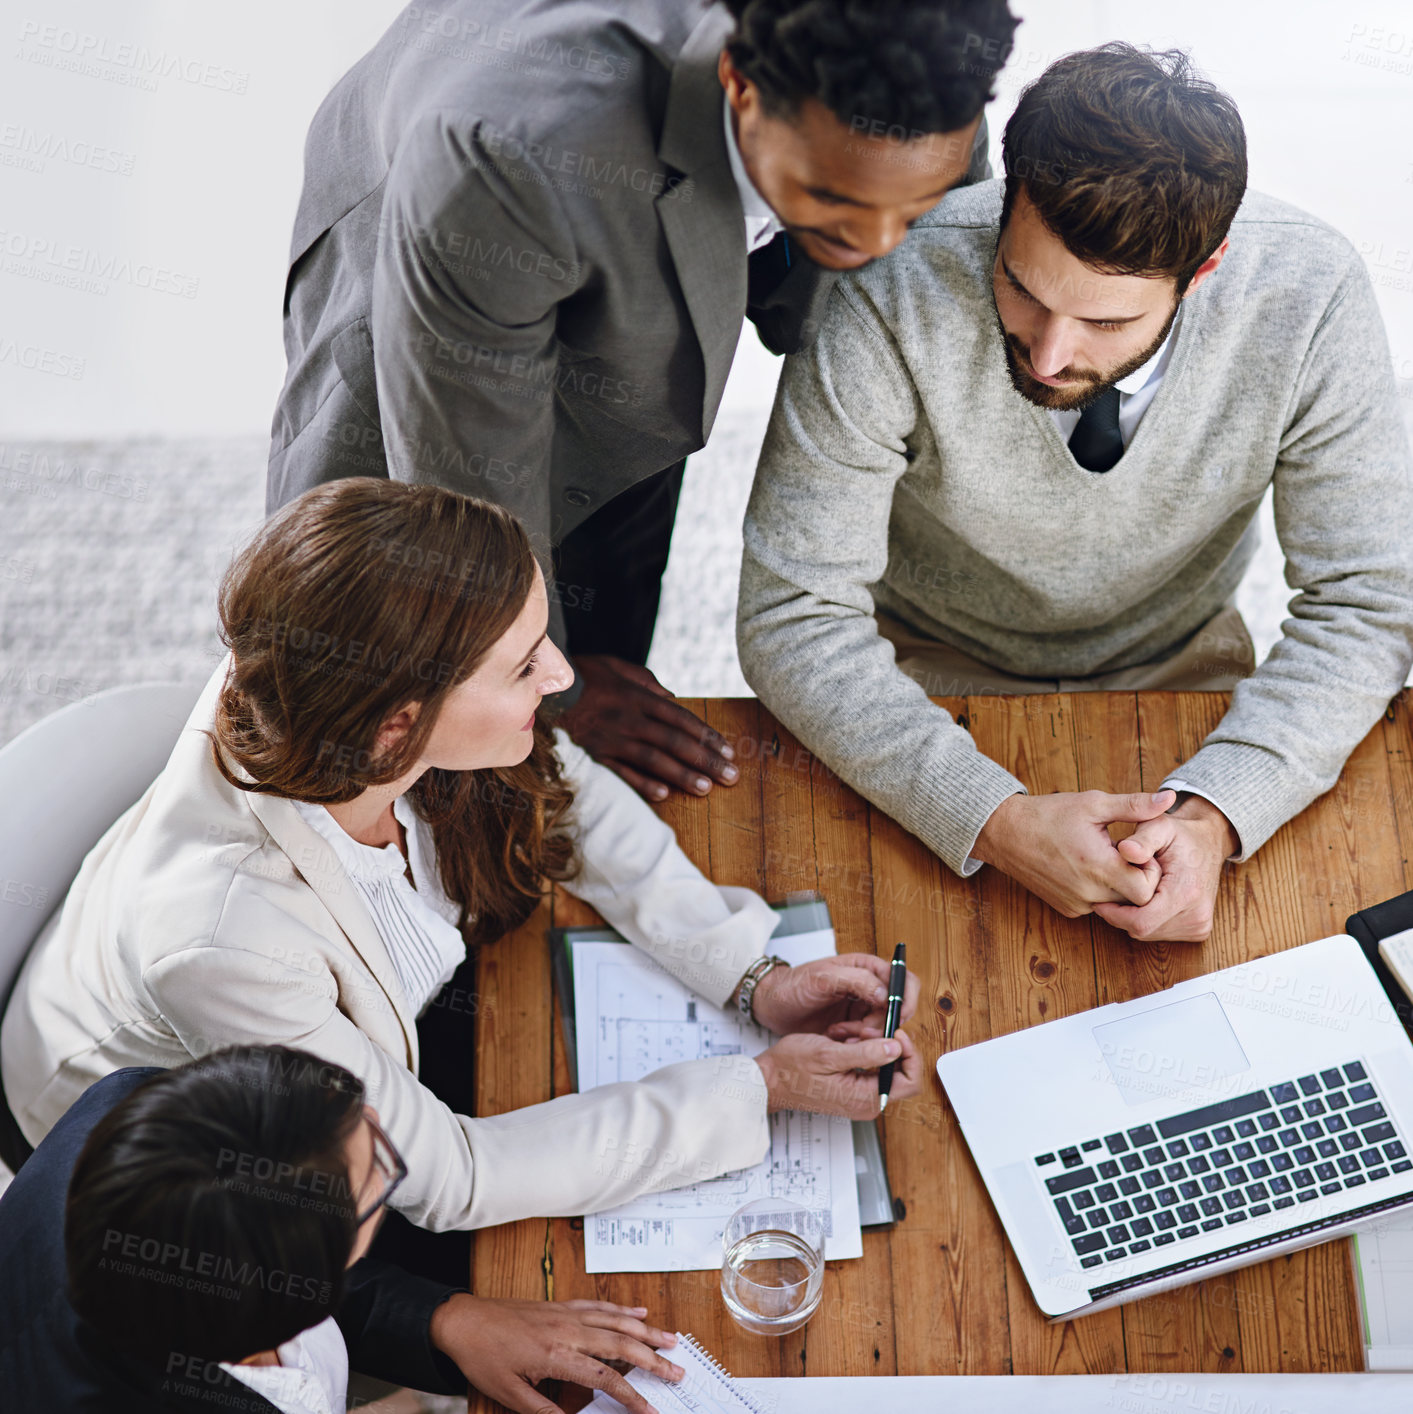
(217,910)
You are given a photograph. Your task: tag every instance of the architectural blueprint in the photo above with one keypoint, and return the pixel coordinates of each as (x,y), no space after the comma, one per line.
(633,1018)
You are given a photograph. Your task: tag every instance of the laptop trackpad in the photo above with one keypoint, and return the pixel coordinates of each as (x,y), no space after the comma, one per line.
(1172,1051)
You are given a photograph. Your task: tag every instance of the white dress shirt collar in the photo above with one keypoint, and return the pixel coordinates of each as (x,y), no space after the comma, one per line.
(762,224)
(312,1376)
(1155,367)
(1136,392)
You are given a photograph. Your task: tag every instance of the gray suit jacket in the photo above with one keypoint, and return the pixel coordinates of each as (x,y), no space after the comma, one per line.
(519,262)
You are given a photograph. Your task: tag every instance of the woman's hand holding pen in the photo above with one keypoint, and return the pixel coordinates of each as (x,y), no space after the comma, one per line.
(830,1014)
(807,1072)
(832,996)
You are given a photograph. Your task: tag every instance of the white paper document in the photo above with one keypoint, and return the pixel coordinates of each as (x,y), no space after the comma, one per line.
(632,1018)
(1166,1393)
(1385,1266)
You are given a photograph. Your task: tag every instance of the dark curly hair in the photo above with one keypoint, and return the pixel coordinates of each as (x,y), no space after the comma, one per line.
(922,66)
(1131,158)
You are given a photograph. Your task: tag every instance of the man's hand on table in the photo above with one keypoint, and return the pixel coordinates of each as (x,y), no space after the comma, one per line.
(1058,846)
(626,720)
(824,995)
(505,1348)
(1189,847)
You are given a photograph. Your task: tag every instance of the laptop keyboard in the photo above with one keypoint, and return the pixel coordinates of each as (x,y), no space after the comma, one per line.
(1217,1167)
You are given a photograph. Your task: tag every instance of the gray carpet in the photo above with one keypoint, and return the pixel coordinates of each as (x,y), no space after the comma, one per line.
(110,554)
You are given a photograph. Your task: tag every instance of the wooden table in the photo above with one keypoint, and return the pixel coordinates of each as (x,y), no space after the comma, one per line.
(941,1292)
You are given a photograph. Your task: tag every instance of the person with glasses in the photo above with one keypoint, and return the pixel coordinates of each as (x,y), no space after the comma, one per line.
(199,1238)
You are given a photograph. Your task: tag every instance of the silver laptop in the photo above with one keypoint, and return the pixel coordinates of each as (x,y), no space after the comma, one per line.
(1140,1146)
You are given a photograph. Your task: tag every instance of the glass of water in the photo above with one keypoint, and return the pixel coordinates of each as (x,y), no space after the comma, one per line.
(772,1272)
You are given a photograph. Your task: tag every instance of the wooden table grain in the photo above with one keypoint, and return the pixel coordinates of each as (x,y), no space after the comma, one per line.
(940,1292)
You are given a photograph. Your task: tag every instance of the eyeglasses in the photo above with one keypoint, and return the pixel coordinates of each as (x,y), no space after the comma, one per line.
(388,1163)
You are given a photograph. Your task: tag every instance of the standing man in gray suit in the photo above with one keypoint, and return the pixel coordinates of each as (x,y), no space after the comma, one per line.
(527,240)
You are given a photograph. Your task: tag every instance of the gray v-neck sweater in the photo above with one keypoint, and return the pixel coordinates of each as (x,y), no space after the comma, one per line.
(901,469)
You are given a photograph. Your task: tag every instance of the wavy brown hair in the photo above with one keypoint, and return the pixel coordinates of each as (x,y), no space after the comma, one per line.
(1131,158)
(362,597)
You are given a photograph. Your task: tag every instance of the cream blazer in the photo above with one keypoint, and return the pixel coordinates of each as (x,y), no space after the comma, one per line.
(208,916)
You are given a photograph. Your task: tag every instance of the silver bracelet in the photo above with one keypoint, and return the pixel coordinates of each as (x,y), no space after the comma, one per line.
(751,980)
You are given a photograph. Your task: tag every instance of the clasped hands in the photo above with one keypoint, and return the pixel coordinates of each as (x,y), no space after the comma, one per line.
(1158,883)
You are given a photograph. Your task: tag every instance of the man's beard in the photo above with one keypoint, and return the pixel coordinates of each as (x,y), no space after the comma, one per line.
(1094,384)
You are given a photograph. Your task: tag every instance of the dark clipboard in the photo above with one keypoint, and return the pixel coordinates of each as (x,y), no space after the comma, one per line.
(1368,928)
(799,913)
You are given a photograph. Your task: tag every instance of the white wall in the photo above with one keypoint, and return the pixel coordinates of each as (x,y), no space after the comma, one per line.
(209,157)
(1325,87)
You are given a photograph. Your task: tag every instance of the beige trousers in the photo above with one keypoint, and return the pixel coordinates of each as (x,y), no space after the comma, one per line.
(1214,659)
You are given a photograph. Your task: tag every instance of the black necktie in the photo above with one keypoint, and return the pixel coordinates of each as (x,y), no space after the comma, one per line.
(766,267)
(1095,442)
(785,294)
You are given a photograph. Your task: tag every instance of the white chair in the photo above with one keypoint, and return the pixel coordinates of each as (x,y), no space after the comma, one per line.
(63,782)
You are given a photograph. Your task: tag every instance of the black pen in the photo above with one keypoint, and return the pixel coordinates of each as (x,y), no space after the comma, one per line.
(897,981)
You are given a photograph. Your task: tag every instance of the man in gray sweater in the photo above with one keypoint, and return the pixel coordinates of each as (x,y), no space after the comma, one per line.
(1026,454)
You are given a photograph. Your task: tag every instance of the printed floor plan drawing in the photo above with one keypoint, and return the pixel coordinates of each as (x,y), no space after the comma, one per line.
(633,1018)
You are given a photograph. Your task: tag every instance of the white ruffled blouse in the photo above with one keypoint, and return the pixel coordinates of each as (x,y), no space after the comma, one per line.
(417,924)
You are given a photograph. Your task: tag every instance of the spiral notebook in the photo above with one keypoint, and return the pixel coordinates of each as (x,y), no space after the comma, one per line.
(705,1389)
